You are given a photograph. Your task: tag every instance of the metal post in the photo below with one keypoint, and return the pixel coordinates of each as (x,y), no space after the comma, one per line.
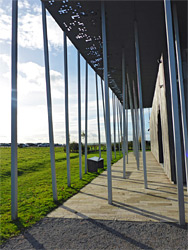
(181,91)
(107,103)
(110,125)
(98,121)
(66,110)
(121,110)
(175,111)
(114,122)
(86,113)
(49,102)
(149,113)
(136,126)
(140,102)
(132,116)
(14,173)
(124,127)
(103,107)
(120,121)
(79,119)
(118,124)
(126,119)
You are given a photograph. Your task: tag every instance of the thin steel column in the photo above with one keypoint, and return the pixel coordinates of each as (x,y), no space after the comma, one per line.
(118,124)
(124,129)
(181,91)
(175,111)
(103,107)
(126,119)
(140,101)
(66,109)
(149,113)
(114,122)
(107,103)
(86,114)
(14,172)
(49,102)
(98,121)
(122,123)
(136,138)
(136,125)
(120,117)
(110,125)
(79,119)
(121,109)
(132,116)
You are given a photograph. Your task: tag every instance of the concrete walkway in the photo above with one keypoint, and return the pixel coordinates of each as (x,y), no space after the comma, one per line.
(131,202)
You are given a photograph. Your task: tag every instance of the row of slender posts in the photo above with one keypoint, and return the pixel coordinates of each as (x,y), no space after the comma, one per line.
(174,101)
(117,107)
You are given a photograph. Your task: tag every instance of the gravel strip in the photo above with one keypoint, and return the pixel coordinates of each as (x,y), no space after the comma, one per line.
(61,233)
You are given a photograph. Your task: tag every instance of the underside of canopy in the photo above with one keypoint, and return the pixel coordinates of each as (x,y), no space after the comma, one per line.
(81,20)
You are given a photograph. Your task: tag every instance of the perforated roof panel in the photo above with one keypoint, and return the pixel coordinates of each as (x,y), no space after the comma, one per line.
(81,20)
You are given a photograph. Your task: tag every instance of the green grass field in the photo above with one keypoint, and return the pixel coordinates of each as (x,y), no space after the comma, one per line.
(35,186)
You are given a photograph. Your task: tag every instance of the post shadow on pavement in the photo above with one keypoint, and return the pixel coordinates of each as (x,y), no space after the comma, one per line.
(133,191)
(109,229)
(27,235)
(143,212)
(33,241)
(123,189)
(136,210)
(128,173)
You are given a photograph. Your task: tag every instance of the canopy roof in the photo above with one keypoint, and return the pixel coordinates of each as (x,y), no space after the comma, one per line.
(81,20)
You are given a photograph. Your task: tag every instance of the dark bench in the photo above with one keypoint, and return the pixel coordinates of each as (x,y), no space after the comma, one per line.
(94,163)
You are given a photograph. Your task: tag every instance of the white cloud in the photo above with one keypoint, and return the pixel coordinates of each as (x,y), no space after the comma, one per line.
(24,4)
(31,81)
(5,58)
(32,107)
(30,31)
(5,24)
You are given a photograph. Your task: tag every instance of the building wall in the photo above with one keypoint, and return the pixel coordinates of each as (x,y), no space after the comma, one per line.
(159,106)
(162,104)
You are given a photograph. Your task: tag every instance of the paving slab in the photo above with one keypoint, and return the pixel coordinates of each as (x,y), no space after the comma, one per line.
(131,201)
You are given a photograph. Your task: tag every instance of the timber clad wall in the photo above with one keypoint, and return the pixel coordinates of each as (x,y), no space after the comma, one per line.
(159,115)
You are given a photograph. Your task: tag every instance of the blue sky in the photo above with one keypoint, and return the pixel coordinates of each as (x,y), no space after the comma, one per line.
(32,104)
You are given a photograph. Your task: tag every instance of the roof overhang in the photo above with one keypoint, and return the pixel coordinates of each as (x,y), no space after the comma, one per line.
(81,20)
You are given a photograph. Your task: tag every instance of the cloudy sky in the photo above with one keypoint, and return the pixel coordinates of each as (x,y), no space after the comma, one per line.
(32,103)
